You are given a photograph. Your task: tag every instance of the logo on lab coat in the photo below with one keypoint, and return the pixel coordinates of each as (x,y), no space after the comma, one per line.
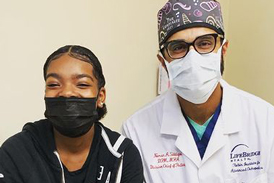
(244,159)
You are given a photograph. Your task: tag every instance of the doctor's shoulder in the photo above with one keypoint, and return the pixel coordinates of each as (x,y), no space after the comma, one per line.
(254,105)
(147,114)
(252,99)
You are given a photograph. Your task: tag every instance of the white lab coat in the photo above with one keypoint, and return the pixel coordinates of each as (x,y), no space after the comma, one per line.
(241,148)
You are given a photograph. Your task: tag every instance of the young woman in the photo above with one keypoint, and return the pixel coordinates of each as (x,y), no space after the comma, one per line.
(71,145)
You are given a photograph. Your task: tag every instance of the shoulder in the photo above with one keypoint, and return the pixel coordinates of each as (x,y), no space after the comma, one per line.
(22,142)
(17,142)
(16,154)
(154,105)
(244,97)
(108,134)
(124,150)
(114,140)
(132,165)
(253,111)
(148,114)
(112,135)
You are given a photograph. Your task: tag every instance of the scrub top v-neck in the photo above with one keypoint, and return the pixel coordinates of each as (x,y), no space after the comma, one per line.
(203,142)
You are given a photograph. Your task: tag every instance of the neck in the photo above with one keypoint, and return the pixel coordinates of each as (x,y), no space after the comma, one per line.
(73,145)
(200,113)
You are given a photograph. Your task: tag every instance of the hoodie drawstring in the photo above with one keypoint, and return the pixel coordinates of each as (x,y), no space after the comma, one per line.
(59,159)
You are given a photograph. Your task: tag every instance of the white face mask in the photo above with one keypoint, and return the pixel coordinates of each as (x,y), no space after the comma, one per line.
(195,77)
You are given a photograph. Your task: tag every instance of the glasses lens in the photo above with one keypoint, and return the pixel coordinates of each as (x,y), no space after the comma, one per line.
(205,44)
(177,49)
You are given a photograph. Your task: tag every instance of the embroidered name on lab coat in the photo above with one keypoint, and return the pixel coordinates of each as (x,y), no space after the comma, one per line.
(168,160)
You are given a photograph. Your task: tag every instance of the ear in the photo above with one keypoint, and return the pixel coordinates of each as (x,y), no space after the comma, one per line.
(225,47)
(101,98)
(162,61)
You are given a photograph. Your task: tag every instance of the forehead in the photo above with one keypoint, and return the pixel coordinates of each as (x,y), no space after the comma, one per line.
(67,65)
(191,33)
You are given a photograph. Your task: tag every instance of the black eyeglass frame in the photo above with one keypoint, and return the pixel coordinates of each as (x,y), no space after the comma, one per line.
(166,44)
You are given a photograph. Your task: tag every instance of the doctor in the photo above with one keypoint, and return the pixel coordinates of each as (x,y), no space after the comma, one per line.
(202,130)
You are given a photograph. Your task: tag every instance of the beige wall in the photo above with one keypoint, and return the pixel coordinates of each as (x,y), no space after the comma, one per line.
(250,62)
(123,34)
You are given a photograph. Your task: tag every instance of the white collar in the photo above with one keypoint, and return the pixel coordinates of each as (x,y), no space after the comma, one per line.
(231,111)
(231,117)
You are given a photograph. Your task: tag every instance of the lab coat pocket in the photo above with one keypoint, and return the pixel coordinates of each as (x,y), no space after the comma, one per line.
(262,178)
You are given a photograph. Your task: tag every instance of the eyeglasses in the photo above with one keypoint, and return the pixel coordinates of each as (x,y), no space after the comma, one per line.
(203,44)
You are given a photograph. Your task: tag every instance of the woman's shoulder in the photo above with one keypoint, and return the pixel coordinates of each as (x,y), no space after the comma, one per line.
(16,142)
(113,136)
(118,142)
(21,142)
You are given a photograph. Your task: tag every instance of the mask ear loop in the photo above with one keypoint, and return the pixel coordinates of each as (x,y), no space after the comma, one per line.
(161,55)
(166,70)
(224,41)
(221,47)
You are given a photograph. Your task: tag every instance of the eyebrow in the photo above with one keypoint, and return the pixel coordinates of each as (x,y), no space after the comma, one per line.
(201,36)
(54,75)
(79,76)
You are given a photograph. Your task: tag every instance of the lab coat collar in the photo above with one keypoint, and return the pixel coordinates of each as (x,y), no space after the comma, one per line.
(229,121)
(173,119)
(230,112)
(172,115)
(174,123)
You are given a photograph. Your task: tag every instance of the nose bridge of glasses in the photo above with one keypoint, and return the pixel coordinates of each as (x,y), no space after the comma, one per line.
(191,46)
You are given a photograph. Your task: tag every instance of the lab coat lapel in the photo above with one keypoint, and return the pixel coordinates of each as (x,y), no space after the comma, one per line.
(185,142)
(175,124)
(229,122)
(217,140)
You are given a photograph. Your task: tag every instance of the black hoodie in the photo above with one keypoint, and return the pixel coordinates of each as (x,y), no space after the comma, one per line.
(31,157)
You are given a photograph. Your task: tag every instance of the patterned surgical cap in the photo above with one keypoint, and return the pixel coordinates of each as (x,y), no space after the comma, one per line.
(177,15)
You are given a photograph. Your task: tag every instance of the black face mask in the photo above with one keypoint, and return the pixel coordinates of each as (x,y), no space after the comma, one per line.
(72,117)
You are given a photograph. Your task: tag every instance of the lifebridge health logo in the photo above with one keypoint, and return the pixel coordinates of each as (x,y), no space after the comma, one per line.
(244,159)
